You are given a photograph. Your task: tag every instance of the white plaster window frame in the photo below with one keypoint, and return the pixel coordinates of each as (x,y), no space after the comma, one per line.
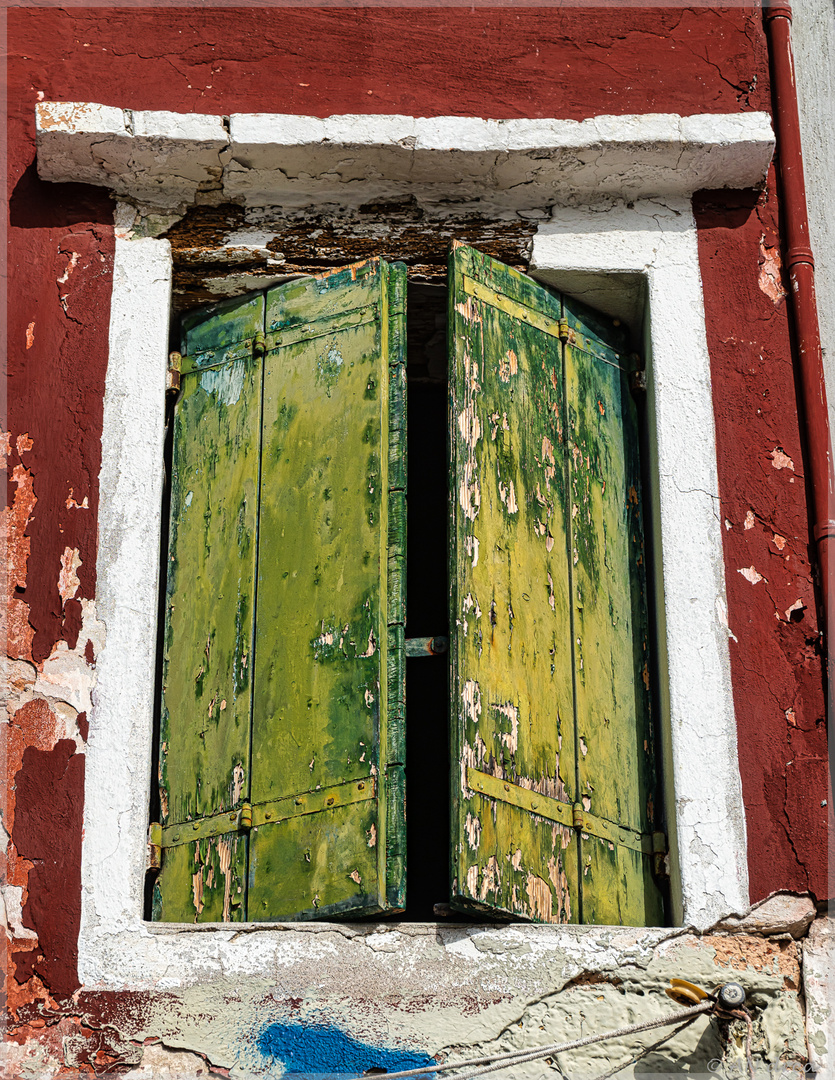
(612,253)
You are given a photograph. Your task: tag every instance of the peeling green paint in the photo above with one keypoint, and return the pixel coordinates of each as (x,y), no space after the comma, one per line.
(292,683)
(550,643)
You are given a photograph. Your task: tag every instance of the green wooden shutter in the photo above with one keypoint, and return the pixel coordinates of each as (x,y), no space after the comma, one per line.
(204,742)
(616,756)
(552,741)
(327,784)
(308,726)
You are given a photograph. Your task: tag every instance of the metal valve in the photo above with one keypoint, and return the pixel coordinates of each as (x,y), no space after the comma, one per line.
(731,995)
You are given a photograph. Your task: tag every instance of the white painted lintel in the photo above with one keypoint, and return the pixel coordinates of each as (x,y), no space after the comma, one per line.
(170,160)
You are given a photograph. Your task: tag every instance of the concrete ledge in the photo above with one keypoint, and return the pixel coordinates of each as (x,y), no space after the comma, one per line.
(261,159)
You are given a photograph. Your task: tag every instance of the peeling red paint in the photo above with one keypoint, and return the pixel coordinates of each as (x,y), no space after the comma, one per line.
(49,792)
(14,523)
(55,403)
(422,62)
(771,274)
(775,659)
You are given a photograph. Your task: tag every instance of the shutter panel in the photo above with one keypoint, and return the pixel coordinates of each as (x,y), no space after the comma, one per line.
(204,743)
(327,783)
(512,713)
(548,620)
(616,760)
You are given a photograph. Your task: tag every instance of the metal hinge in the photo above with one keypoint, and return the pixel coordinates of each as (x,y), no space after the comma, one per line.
(638,374)
(172,381)
(565,331)
(153,859)
(660,862)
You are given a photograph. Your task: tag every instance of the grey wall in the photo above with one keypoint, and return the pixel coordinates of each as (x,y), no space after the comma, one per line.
(813,34)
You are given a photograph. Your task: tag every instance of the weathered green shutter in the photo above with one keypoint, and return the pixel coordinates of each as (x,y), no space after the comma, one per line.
(552,742)
(327,787)
(207,664)
(324,824)
(616,755)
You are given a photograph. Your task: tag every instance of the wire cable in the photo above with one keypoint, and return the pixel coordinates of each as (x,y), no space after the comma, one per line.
(495,1062)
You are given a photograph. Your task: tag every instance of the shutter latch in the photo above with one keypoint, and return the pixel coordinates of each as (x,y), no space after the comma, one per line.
(426,646)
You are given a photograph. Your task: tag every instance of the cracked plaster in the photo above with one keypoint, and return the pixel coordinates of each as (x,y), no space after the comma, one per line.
(413,983)
(169,160)
(819,991)
(117,948)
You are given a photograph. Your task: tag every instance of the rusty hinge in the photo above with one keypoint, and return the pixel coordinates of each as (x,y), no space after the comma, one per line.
(565,331)
(259,344)
(638,374)
(153,859)
(660,863)
(172,381)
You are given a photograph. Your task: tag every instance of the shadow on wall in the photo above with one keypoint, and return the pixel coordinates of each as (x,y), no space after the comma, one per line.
(37,204)
(320,1051)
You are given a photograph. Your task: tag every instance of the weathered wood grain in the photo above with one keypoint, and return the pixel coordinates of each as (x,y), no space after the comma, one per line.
(548,619)
(204,741)
(512,703)
(329,584)
(616,755)
(206,244)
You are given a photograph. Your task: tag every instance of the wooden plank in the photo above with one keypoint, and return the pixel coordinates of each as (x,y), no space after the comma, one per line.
(327,557)
(316,866)
(394,334)
(204,743)
(512,701)
(203,881)
(616,755)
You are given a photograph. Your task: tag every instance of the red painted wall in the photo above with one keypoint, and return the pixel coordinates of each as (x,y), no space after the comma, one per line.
(775,647)
(509,62)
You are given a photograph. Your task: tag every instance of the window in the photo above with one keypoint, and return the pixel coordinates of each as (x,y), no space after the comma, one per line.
(283,733)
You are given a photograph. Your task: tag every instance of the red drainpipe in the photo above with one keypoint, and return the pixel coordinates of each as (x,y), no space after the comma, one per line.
(801,269)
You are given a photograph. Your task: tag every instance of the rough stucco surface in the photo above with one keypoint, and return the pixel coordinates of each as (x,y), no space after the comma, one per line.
(775,644)
(479,62)
(169,160)
(819,991)
(447,992)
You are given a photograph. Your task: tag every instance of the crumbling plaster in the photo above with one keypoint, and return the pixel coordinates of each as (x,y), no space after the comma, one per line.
(172,160)
(448,992)
(520,982)
(651,239)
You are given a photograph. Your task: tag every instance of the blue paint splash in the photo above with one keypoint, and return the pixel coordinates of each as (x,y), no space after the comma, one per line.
(319,1051)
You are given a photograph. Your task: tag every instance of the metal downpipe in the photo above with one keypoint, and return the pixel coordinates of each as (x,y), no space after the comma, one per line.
(808,358)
